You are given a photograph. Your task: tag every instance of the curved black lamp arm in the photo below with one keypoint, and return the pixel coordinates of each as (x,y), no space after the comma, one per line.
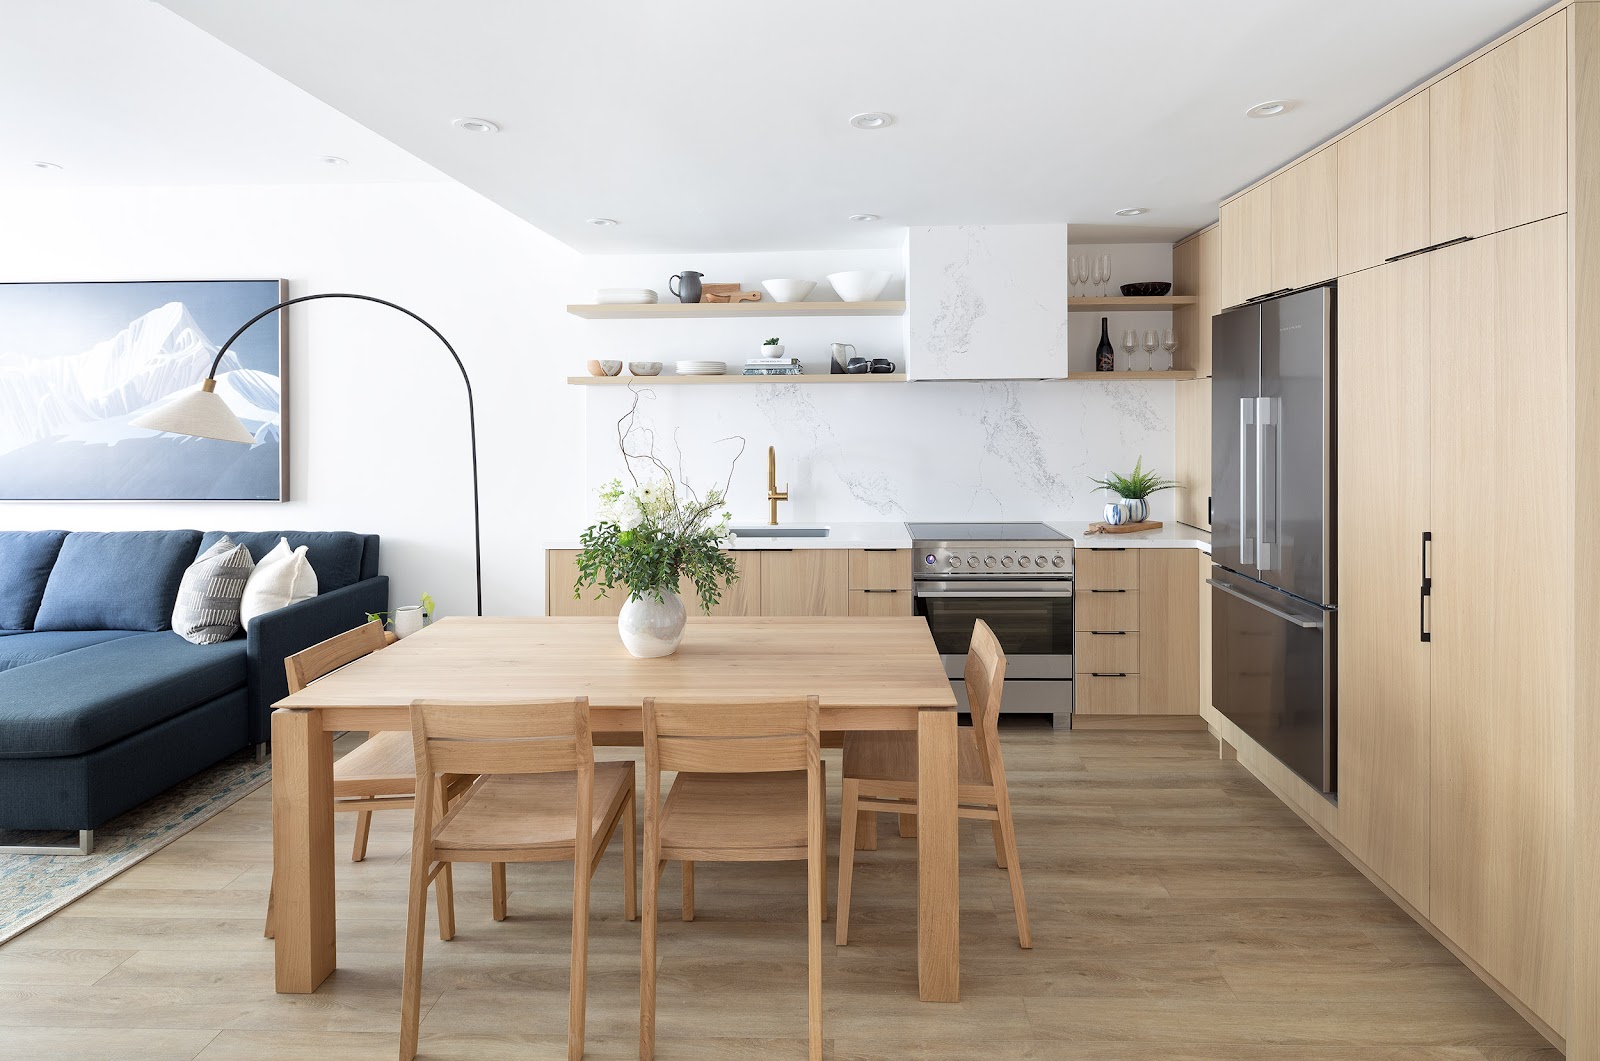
(472,417)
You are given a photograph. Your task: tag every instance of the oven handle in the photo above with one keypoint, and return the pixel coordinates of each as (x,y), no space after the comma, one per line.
(1001,594)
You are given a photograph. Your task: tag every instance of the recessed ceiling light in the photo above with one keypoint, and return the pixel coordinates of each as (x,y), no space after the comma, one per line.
(1132,211)
(333,160)
(871,120)
(476,125)
(602,222)
(1271,108)
(864,217)
(46,165)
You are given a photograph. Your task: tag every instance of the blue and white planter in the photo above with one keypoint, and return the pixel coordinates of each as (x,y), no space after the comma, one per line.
(1127,510)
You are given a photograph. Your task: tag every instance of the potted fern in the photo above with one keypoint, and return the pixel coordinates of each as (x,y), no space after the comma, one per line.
(1134,489)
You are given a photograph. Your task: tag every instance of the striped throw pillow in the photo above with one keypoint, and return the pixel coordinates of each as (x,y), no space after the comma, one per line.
(208,598)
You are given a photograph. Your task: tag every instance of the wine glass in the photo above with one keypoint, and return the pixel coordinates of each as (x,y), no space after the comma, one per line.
(1169,343)
(1105,271)
(1130,343)
(1074,275)
(1151,341)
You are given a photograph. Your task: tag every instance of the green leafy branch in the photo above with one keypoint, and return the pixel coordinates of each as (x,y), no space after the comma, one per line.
(1140,484)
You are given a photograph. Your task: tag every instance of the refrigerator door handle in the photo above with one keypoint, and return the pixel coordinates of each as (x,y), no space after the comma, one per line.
(1298,620)
(1266,500)
(1247,543)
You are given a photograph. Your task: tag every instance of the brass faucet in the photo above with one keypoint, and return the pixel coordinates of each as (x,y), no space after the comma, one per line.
(773,494)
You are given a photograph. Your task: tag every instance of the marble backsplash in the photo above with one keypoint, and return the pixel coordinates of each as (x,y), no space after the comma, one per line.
(971,451)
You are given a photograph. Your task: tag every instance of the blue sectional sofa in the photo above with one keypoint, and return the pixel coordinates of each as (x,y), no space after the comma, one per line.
(102,706)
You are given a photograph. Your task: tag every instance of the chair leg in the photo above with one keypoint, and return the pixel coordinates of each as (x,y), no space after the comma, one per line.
(999,843)
(688,890)
(444,891)
(816,870)
(579,988)
(908,825)
(411,981)
(630,860)
(497,885)
(1014,870)
(867,833)
(647,952)
(268,930)
(358,851)
(849,834)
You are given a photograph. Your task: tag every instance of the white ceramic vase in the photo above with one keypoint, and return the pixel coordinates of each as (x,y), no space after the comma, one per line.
(1138,509)
(651,627)
(408,620)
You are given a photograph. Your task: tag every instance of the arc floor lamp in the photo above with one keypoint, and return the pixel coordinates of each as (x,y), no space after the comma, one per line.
(203,413)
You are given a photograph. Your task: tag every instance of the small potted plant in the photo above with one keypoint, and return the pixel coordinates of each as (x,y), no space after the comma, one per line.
(1134,490)
(407,619)
(772,347)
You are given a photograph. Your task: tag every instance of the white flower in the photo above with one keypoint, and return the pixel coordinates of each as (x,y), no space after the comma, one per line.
(630,516)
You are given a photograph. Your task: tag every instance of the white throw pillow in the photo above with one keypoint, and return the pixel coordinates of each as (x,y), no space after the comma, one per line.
(281,578)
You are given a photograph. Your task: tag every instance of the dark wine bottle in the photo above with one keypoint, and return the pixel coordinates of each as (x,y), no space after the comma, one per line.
(1105,355)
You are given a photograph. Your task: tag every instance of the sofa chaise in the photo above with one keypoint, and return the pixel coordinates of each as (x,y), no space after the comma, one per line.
(102,706)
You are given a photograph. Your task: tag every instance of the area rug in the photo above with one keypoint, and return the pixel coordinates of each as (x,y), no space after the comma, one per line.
(32,887)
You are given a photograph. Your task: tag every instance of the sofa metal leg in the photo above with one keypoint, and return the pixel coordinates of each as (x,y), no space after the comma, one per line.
(82,846)
(261,752)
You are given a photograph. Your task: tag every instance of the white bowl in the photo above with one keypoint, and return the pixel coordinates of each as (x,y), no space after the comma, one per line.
(862,285)
(645,368)
(789,290)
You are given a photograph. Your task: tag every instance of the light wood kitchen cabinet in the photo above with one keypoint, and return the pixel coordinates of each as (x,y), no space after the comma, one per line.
(1197,271)
(880,582)
(561,572)
(1501,609)
(1304,228)
(741,598)
(1192,452)
(1245,232)
(1136,646)
(805,582)
(1203,566)
(1383,187)
(1385,703)
(1498,129)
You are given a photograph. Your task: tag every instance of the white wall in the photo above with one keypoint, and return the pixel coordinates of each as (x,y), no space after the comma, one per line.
(377,415)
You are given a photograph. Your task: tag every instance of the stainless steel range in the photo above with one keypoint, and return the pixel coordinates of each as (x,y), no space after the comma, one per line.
(1017,577)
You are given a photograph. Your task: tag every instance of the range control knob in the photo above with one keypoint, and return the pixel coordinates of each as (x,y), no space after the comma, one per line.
(1041,560)
(973,561)
(1006,561)
(1058,561)
(988,561)
(1024,561)
(955,561)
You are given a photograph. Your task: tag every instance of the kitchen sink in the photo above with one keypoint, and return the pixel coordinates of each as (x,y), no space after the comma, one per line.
(778,532)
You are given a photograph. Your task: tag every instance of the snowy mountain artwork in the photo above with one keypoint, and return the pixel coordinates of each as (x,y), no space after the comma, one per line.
(78,361)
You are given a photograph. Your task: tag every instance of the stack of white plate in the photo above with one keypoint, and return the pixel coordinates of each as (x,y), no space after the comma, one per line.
(624,296)
(702,368)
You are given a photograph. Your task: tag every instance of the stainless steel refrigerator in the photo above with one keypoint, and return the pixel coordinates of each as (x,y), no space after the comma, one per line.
(1273,583)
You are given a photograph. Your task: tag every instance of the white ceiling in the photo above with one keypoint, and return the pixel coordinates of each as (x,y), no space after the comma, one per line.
(124,92)
(707,128)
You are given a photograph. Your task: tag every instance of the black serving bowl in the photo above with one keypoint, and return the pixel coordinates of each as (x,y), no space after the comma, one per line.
(1149,287)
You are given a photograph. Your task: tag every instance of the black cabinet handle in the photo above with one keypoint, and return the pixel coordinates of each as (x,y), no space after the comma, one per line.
(1426,589)
(880,591)
(1109,633)
(1429,247)
(1269,294)
(1108,591)
(1105,674)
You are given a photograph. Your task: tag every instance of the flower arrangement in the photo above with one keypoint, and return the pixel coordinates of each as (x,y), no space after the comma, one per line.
(657,531)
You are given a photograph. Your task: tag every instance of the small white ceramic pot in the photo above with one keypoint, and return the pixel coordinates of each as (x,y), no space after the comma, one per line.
(650,627)
(1115,514)
(775,350)
(1138,509)
(409,620)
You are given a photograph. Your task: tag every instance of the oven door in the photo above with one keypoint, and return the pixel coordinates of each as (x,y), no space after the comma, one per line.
(1032,620)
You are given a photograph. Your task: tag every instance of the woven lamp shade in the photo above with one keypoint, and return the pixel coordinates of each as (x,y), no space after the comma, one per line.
(201,413)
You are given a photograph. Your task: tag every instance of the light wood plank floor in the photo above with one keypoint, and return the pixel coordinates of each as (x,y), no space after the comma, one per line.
(1179,913)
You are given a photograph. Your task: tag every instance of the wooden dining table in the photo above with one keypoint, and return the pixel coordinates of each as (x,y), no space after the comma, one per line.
(871,674)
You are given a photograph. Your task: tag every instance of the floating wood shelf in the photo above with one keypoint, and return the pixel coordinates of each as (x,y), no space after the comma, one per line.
(663,310)
(1114,377)
(1128,302)
(655,381)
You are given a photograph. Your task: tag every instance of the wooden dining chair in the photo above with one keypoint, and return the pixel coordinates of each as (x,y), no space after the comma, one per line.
(749,789)
(538,796)
(880,777)
(377,774)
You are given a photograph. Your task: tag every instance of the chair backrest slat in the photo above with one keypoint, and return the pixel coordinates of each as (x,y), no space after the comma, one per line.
(725,737)
(501,737)
(751,754)
(985,675)
(325,657)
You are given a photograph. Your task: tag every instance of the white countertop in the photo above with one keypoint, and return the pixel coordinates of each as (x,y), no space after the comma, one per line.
(895,536)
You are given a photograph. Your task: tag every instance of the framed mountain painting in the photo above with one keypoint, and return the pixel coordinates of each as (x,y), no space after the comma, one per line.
(78,361)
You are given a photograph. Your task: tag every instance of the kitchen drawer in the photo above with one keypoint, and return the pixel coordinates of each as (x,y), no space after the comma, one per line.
(1105,694)
(1106,650)
(880,602)
(1105,609)
(880,569)
(1105,568)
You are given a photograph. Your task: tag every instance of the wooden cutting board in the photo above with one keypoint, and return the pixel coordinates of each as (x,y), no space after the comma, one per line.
(1125,528)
